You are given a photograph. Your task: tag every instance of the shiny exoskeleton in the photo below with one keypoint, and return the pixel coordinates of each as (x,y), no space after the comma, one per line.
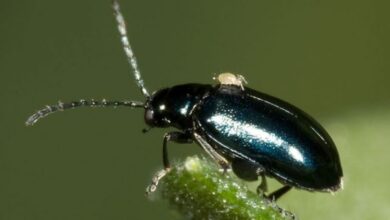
(255,134)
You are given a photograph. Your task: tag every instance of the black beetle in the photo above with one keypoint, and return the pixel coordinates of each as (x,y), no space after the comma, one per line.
(255,134)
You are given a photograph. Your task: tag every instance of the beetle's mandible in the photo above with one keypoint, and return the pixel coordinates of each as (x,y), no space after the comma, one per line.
(255,134)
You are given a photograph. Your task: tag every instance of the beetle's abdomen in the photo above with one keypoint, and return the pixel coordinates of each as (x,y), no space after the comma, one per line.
(288,143)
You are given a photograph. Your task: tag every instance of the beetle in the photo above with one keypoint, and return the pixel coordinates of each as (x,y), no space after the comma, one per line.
(254,134)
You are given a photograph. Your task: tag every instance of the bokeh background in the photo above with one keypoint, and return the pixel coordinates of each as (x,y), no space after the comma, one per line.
(330,58)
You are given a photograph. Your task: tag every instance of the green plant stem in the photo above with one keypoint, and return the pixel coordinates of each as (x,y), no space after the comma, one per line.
(199,190)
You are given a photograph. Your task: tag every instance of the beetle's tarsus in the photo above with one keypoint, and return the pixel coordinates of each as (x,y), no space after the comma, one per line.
(282,211)
(155,180)
(224,170)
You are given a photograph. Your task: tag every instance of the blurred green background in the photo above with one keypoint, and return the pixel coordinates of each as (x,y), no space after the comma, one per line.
(330,58)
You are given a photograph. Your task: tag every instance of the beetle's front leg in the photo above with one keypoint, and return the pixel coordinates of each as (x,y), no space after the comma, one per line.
(174,136)
(177,137)
(225,165)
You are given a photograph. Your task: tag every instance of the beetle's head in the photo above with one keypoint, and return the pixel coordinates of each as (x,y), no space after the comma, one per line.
(173,106)
(157,111)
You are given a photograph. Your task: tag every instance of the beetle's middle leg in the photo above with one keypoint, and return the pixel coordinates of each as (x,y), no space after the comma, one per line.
(263,186)
(213,154)
(174,136)
(250,171)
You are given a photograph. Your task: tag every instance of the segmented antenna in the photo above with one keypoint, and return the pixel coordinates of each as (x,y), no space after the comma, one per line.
(127,48)
(82,103)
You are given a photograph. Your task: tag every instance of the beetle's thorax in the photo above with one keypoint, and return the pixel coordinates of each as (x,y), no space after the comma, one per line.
(172,106)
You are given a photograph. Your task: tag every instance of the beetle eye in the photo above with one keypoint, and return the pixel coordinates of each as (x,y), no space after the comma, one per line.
(149,116)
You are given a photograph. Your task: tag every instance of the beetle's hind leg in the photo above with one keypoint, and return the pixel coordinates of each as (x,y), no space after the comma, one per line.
(174,136)
(279,192)
(275,195)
